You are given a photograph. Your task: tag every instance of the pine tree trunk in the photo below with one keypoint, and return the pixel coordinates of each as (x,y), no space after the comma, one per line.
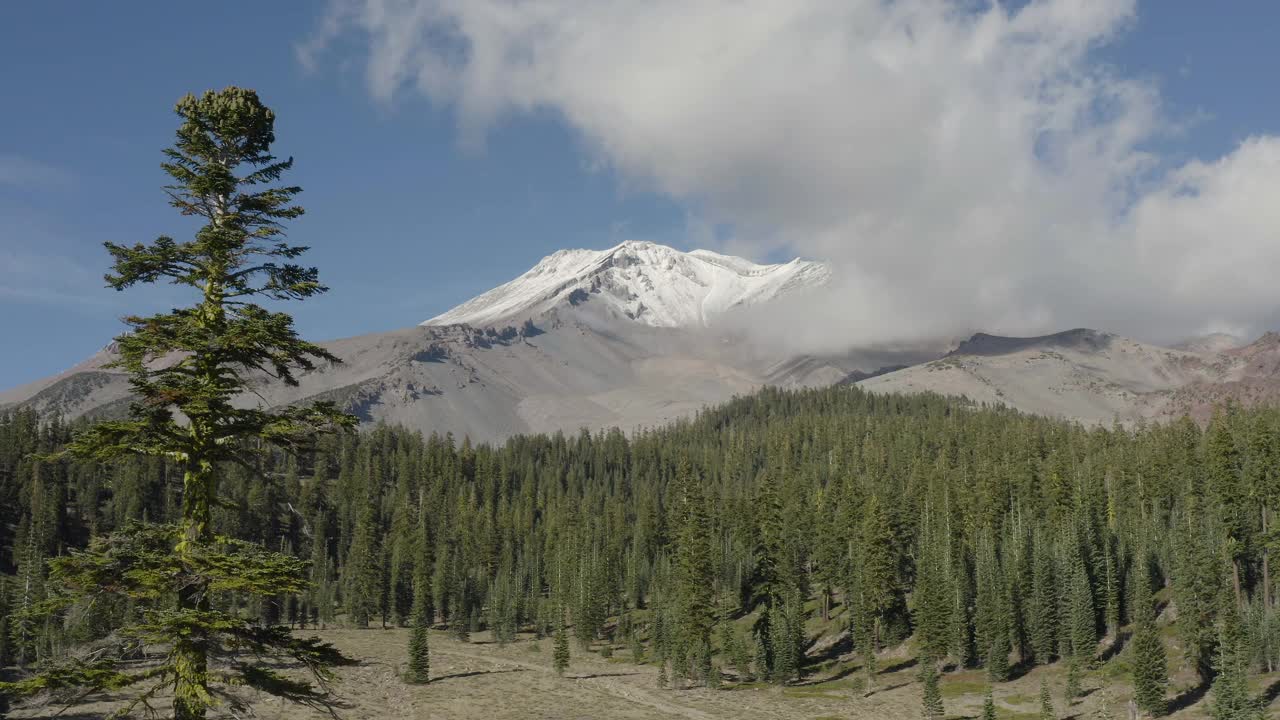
(871,658)
(191,655)
(1235,582)
(1266,560)
(1266,580)
(191,682)
(26,597)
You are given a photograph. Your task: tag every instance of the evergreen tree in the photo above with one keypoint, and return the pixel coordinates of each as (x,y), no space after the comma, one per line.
(560,654)
(363,569)
(1262,470)
(1150,671)
(1198,579)
(876,582)
(419,640)
(931,700)
(223,173)
(991,614)
(1231,698)
(694,579)
(637,648)
(1042,610)
(1081,613)
(1046,702)
(1072,689)
(740,656)
(1110,590)
(419,653)
(932,599)
(1225,483)
(788,638)
(767,580)
(988,705)
(502,607)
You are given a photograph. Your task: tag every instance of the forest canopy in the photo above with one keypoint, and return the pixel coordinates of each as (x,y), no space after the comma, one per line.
(987,537)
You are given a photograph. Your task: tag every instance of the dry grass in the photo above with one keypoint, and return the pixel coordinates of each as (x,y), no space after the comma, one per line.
(484,681)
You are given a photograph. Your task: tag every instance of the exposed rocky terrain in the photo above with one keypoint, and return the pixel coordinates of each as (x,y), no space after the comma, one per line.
(1095,376)
(571,366)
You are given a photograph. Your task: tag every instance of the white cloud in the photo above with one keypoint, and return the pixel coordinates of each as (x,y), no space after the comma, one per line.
(966,166)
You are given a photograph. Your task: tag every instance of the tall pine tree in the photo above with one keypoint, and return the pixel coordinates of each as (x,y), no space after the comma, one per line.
(560,651)
(1231,698)
(694,578)
(931,695)
(1150,665)
(194,363)
(419,639)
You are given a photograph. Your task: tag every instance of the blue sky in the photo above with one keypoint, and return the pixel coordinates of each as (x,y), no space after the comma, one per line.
(404,218)
(403,223)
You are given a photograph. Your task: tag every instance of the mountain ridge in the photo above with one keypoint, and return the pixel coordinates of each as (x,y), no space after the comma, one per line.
(1097,377)
(627,337)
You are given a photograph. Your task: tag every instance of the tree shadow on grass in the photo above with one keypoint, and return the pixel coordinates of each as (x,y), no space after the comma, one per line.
(1187,698)
(834,651)
(879,689)
(1271,693)
(1117,644)
(473,673)
(904,665)
(1019,669)
(603,675)
(844,673)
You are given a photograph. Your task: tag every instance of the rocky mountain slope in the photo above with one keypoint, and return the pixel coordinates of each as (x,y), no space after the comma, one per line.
(628,337)
(1099,377)
(585,339)
(563,373)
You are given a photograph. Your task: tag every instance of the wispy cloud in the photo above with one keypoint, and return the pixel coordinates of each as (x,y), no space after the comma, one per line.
(43,262)
(966,165)
(24,172)
(31,276)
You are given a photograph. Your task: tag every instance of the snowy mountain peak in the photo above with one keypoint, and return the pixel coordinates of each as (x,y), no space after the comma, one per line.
(643,281)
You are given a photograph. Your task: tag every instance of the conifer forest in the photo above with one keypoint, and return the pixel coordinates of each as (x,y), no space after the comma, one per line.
(980,538)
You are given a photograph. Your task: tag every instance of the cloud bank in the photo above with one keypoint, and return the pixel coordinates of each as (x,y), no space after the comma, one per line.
(964,165)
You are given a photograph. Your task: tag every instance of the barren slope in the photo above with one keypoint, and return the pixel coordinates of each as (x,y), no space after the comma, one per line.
(576,368)
(1094,376)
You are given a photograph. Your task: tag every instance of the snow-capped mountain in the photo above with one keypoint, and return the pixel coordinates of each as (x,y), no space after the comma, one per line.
(651,284)
(618,338)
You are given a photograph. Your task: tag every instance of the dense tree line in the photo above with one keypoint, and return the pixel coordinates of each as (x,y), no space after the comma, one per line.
(994,539)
